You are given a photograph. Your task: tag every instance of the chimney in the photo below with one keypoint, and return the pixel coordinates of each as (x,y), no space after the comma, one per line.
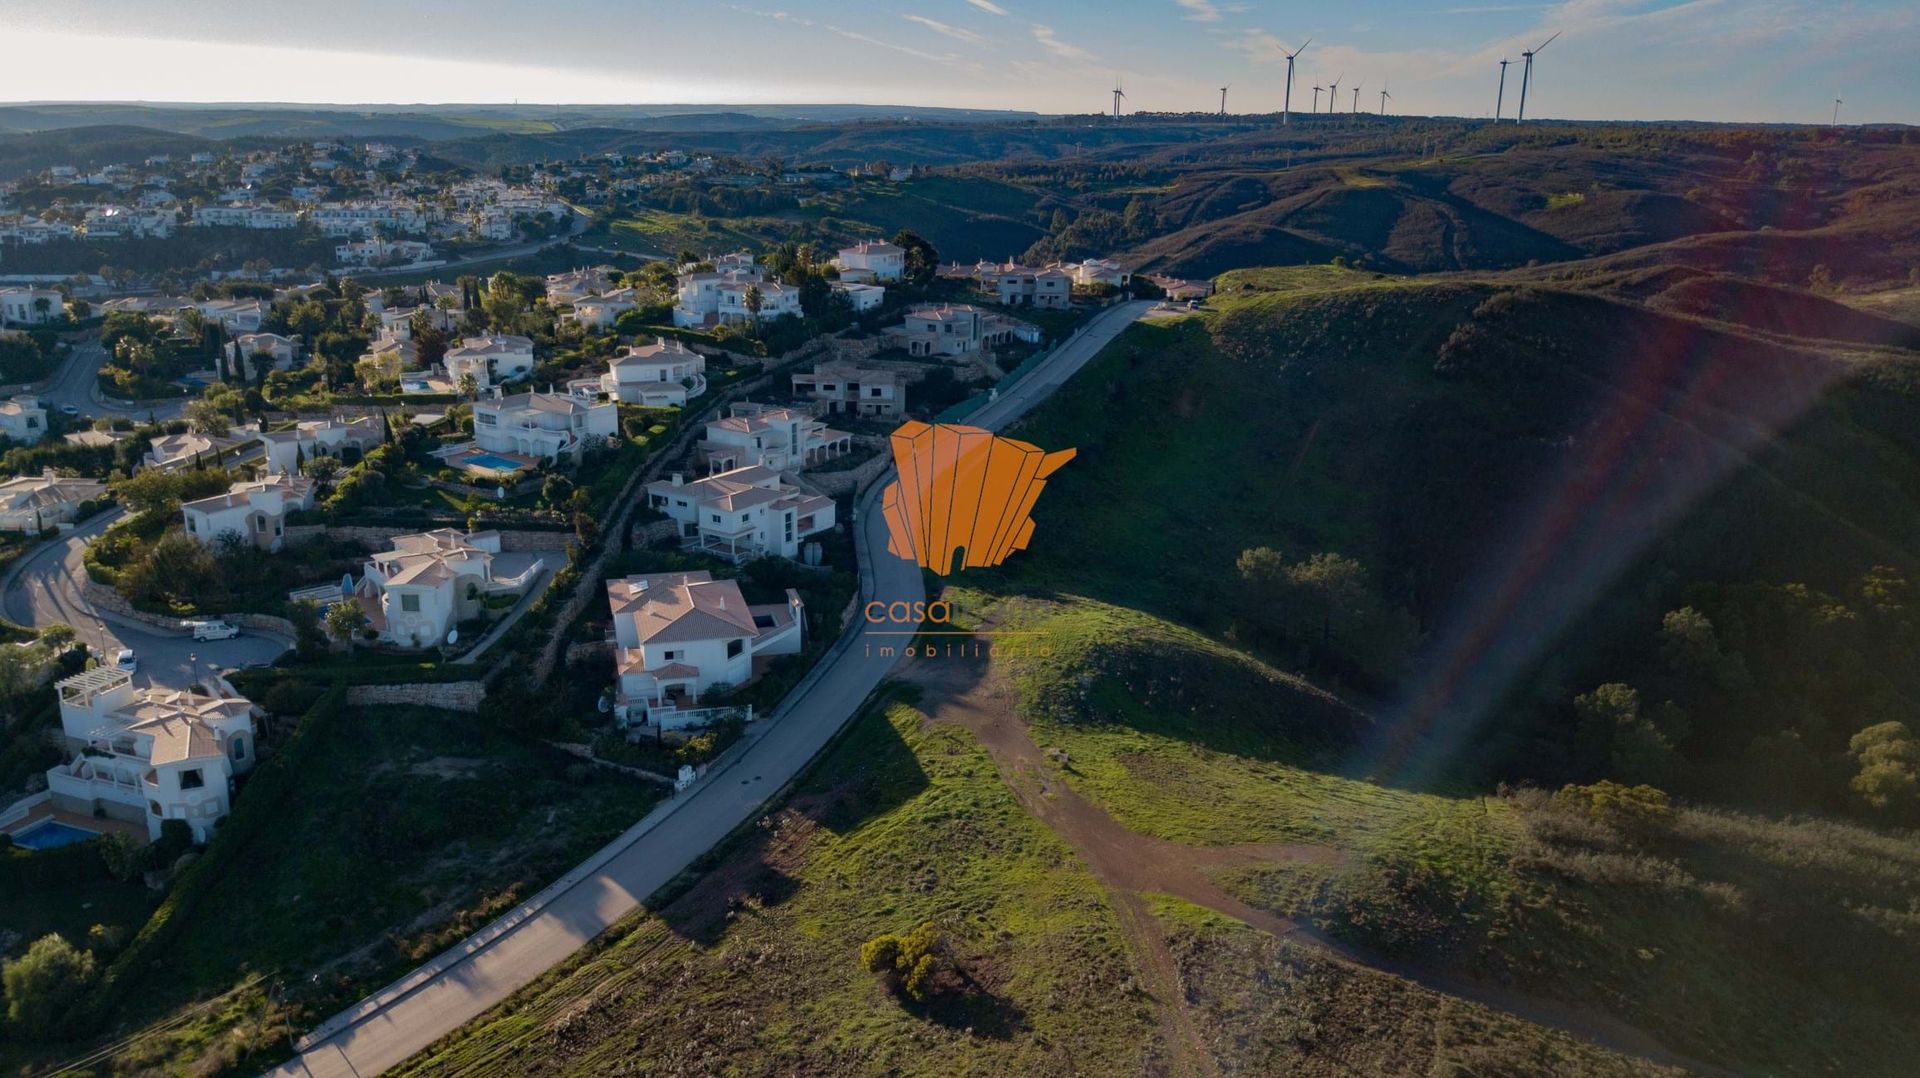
(679,478)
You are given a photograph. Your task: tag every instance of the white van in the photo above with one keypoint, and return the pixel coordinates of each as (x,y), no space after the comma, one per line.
(214,630)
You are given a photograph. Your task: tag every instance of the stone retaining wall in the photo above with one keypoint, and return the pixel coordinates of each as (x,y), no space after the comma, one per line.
(835,484)
(589,651)
(108,601)
(448,695)
(657,532)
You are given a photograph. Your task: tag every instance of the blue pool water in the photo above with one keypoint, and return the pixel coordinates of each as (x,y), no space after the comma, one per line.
(493,462)
(47,834)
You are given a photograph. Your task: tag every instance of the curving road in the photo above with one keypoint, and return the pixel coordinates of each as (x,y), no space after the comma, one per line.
(45,587)
(459,985)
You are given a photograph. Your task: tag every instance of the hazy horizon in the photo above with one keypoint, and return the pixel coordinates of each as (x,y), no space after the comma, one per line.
(1766,61)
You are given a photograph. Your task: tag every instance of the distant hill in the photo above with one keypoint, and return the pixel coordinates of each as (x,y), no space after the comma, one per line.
(91,147)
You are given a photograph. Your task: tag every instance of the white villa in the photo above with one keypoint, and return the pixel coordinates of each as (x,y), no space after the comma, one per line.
(494,358)
(168,450)
(770,436)
(1097,271)
(776,300)
(149,754)
(678,635)
(575,285)
(864,263)
(863,297)
(957,330)
(599,312)
(416,593)
(31,306)
(23,419)
(235,315)
(745,513)
(255,511)
(310,438)
(662,374)
(845,388)
(284,350)
(32,504)
(542,425)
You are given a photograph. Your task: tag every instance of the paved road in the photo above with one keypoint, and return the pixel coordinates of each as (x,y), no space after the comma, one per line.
(44,588)
(386,1028)
(78,383)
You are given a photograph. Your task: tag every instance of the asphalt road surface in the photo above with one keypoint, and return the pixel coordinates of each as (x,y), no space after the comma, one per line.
(460,984)
(45,587)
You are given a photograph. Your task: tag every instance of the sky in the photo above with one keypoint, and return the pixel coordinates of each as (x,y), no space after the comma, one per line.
(1734,60)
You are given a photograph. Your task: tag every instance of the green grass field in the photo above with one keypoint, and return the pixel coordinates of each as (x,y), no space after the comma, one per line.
(758,963)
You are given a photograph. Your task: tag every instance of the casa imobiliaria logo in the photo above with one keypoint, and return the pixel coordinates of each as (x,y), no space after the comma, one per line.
(964,496)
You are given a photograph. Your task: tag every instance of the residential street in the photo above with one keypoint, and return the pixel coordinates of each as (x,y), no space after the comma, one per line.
(458,985)
(44,588)
(78,383)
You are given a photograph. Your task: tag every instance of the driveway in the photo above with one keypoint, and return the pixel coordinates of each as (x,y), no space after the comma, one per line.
(481,971)
(45,587)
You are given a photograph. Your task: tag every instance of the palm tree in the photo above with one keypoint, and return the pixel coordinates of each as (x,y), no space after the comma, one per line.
(754,301)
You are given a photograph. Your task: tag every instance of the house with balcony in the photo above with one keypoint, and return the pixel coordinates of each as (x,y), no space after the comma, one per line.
(663,374)
(149,755)
(680,636)
(23,419)
(771,436)
(253,511)
(742,514)
(491,360)
(956,329)
(866,263)
(543,426)
(32,504)
(776,300)
(598,313)
(845,389)
(422,589)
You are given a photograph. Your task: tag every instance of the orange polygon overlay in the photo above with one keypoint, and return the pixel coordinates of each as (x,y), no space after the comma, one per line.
(962,489)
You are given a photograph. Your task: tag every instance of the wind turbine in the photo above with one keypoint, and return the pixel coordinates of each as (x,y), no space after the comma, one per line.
(1356,97)
(1316,98)
(1384,98)
(1526,74)
(1333,90)
(1223,98)
(1500,98)
(1836,111)
(1118,93)
(1286,102)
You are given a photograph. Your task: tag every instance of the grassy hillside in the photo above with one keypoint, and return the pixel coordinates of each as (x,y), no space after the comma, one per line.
(1763,946)
(758,963)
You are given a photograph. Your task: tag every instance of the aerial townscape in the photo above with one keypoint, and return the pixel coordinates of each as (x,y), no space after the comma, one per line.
(1179,550)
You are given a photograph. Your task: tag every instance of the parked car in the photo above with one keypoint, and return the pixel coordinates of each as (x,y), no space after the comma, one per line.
(126,660)
(69,409)
(214,630)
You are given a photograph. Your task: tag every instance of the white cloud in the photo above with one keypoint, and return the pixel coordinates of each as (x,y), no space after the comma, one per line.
(988,6)
(1200,10)
(958,33)
(1045,36)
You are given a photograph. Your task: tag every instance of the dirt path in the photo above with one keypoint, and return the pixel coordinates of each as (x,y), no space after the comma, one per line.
(1132,865)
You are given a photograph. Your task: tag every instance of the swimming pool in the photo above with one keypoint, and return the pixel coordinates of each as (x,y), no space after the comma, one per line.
(493,463)
(47,834)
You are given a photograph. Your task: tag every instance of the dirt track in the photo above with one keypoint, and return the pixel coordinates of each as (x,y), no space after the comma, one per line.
(1132,865)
